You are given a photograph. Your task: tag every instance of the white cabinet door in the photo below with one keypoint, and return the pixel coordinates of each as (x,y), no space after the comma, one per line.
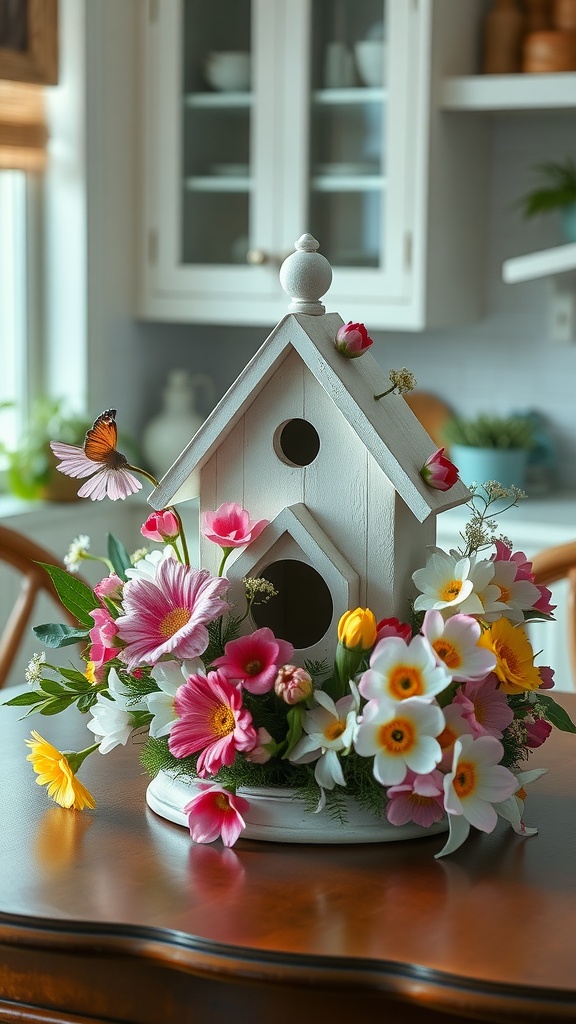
(337,131)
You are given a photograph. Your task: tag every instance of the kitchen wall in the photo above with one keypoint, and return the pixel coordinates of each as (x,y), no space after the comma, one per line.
(503,362)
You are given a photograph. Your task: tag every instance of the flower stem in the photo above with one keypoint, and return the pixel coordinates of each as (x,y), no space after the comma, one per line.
(153,480)
(384,393)
(226,553)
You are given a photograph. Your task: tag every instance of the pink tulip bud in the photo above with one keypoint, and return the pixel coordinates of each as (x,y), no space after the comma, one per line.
(352,340)
(111,587)
(262,752)
(439,472)
(160,526)
(293,684)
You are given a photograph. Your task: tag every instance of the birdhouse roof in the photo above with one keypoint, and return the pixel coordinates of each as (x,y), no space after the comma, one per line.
(388,428)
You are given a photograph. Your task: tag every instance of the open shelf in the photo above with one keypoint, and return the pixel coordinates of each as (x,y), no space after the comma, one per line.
(540,264)
(510,92)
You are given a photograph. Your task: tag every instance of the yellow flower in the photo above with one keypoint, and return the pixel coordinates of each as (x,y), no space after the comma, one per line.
(514,656)
(90,672)
(357,629)
(55,771)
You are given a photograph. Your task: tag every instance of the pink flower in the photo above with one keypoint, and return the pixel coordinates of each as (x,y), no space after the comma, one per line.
(293,684)
(419,798)
(216,812)
(210,719)
(352,340)
(262,752)
(543,605)
(547,676)
(537,732)
(111,587)
(393,627)
(439,472)
(160,526)
(230,526)
(254,660)
(168,614)
(504,553)
(102,635)
(484,707)
(98,459)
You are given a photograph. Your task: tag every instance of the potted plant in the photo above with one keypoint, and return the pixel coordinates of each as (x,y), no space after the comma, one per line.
(489,447)
(556,191)
(30,467)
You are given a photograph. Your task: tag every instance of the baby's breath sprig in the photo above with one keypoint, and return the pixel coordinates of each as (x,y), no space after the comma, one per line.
(480,530)
(402,381)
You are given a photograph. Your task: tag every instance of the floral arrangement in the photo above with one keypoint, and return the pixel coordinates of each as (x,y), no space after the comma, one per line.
(416,720)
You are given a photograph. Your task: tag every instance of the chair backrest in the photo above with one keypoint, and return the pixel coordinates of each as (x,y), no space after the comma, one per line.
(23,555)
(559,563)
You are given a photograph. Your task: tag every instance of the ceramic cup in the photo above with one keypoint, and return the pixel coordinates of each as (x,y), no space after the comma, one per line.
(228,71)
(369,55)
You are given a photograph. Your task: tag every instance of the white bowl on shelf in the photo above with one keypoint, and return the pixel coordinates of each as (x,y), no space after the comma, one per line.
(369,56)
(228,70)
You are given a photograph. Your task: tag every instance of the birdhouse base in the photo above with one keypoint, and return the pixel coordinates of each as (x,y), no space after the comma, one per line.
(281,816)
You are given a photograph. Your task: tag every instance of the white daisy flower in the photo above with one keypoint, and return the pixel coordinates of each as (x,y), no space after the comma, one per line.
(146,567)
(399,670)
(77,551)
(400,735)
(330,730)
(455,644)
(451,584)
(33,673)
(516,595)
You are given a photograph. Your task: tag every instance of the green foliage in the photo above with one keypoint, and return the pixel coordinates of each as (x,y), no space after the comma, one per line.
(119,556)
(556,190)
(58,634)
(53,697)
(32,463)
(555,714)
(220,632)
(485,431)
(79,599)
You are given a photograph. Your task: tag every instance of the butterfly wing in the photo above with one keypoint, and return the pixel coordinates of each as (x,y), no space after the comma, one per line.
(100,442)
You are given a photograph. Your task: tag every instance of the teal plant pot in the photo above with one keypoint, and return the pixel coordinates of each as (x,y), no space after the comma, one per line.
(476,465)
(568,214)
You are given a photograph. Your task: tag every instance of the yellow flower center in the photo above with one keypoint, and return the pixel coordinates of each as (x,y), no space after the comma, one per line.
(451,590)
(397,737)
(447,652)
(515,657)
(334,730)
(465,779)
(174,621)
(504,594)
(90,672)
(222,802)
(253,667)
(405,681)
(222,721)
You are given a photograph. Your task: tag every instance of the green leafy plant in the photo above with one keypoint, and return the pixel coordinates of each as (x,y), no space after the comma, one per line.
(30,466)
(485,431)
(556,190)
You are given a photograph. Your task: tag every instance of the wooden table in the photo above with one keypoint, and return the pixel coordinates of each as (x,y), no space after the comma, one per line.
(114,915)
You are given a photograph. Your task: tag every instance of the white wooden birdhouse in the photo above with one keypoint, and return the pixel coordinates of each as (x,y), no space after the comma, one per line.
(300,440)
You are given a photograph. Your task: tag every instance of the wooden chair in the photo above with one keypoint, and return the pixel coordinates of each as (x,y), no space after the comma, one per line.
(23,554)
(559,563)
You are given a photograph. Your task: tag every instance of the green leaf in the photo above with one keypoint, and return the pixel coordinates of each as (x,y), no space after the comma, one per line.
(118,556)
(73,676)
(58,634)
(295,719)
(86,701)
(556,714)
(24,699)
(79,599)
(52,687)
(56,705)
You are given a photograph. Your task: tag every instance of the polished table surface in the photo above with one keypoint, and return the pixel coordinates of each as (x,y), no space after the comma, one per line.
(116,915)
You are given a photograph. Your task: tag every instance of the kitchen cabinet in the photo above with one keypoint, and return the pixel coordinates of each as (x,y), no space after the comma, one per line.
(323,116)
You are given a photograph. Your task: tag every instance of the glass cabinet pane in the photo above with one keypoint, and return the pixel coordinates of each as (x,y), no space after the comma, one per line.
(348,125)
(216,131)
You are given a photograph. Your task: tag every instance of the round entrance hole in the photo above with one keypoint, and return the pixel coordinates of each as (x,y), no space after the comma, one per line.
(302,611)
(296,442)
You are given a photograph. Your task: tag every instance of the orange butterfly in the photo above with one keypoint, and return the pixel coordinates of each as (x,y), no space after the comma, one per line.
(101,440)
(98,459)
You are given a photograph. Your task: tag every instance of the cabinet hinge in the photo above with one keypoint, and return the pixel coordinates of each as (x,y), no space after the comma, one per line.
(152,246)
(408,250)
(152,11)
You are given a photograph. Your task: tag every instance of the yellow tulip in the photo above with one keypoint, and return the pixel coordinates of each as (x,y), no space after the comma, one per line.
(357,629)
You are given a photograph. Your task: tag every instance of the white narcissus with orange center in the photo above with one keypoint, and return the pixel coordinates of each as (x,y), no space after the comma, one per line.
(399,670)
(400,735)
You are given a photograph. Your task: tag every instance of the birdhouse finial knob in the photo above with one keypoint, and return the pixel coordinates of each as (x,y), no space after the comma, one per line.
(305,276)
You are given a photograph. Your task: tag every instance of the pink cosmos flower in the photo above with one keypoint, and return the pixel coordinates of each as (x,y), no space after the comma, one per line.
(293,684)
(103,635)
(215,812)
(230,526)
(111,586)
(210,719)
(160,526)
(254,660)
(484,707)
(547,676)
(352,340)
(99,459)
(393,627)
(439,472)
(419,798)
(537,732)
(504,553)
(168,614)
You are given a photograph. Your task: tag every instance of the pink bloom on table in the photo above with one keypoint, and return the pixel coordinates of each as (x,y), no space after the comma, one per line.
(111,587)
(293,684)
(108,469)
(216,812)
(547,677)
(439,472)
(254,660)
(104,640)
(160,526)
(393,627)
(168,614)
(210,719)
(484,707)
(537,732)
(420,798)
(230,526)
(352,340)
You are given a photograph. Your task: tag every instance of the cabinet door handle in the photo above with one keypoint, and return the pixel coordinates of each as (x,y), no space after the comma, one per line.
(256,257)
